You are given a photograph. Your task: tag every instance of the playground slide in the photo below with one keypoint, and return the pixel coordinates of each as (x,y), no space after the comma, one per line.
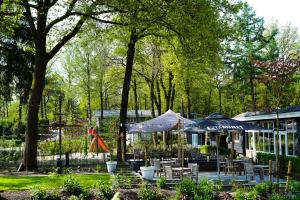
(100,141)
(102,144)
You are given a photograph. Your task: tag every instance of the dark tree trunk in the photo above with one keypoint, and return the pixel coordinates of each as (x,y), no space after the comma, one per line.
(145,101)
(208,106)
(101,101)
(158,104)
(42,108)
(136,106)
(121,143)
(88,73)
(220,99)
(173,97)
(20,111)
(38,85)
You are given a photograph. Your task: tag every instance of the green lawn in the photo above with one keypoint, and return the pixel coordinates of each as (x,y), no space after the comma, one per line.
(47,182)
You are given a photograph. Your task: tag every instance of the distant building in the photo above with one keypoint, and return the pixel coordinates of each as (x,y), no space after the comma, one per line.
(289,131)
(131,116)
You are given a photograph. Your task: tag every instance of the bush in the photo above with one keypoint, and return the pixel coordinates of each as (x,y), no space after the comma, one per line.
(244,194)
(224,151)
(73,197)
(186,189)
(205,190)
(72,186)
(294,186)
(208,149)
(146,192)
(263,158)
(278,197)
(10,155)
(162,182)
(38,194)
(106,191)
(262,189)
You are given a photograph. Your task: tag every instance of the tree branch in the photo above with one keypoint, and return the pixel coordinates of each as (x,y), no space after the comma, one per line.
(61,18)
(30,19)
(66,38)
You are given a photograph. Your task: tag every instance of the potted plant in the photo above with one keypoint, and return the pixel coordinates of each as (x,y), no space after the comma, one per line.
(147,171)
(111,165)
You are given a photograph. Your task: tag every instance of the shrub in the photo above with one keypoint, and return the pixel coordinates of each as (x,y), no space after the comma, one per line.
(262,189)
(38,194)
(100,168)
(146,192)
(162,182)
(244,194)
(73,197)
(294,186)
(278,197)
(208,149)
(263,158)
(106,191)
(72,186)
(186,189)
(205,190)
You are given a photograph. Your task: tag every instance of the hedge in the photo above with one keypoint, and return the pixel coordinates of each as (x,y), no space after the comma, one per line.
(263,158)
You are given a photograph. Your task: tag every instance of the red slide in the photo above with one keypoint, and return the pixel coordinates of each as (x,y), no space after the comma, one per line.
(100,140)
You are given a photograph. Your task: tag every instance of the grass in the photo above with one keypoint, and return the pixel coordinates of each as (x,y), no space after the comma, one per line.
(47,182)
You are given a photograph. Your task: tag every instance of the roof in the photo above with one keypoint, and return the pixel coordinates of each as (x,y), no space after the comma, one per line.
(284,113)
(130,113)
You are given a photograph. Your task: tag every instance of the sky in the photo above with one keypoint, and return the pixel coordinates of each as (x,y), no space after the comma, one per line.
(282,10)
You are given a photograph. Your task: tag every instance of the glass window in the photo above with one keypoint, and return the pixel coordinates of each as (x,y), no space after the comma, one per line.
(271,139)
(281,125)
(290,143)
(250,140)
(194,139)
(259,141)
(266,142)
(282,140)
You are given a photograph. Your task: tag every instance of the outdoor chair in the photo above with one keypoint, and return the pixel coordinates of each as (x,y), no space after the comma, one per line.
(249,170)
(194,172)
(169,173)
(229,167)
(156,164)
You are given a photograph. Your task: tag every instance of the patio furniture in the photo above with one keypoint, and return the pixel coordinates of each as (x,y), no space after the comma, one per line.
(229,167)
(260,170)
(169,173)
(249,170)
(238,166)
(182,171)
(156,164)
(194,171)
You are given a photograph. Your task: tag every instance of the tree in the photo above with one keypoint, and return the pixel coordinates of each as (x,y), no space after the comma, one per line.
(278,73)
(44,20)
(248,44)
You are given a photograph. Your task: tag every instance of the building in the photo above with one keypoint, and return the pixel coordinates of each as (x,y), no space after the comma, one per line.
(264,140)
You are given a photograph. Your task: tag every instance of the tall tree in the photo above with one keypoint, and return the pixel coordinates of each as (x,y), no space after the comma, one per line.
(44,19)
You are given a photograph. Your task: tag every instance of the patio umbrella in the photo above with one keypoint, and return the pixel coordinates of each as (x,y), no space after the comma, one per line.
(217,122)
(165,122)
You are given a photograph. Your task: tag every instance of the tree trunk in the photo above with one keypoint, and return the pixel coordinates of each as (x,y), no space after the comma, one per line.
(88,73)
(220,99)
(121,143)
(172,97)
(42,108)
(20,114)
(31,138)
(136,106)
(101,102)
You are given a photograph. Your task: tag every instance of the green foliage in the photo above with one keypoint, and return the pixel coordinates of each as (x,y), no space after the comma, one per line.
(205,190)
(208,149)
(224,151)
(72,186)
(73,197)
(106,191)
(186,189)
(294,186)
(246,194)
(123,181)
(10,155)
(101,168)
(262,189)
(263,158)
(278,197)
(161,182)
(39,194)
(146,192)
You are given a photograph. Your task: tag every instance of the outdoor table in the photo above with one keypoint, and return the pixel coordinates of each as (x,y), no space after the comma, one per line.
(181,170)
(238,164)
(261,169)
